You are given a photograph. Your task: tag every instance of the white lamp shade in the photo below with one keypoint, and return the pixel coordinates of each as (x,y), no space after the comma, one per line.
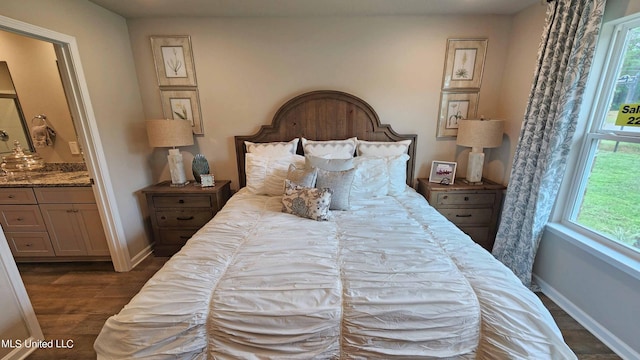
(480,133)
(169,133)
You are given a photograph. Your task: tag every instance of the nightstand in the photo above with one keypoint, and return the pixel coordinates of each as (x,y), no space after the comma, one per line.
(475,209)
(176,213)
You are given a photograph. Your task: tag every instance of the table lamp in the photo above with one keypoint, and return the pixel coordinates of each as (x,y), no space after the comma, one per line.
(171,133)
(478,134)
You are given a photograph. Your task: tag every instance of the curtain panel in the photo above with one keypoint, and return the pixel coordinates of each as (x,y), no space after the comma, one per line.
(564,59)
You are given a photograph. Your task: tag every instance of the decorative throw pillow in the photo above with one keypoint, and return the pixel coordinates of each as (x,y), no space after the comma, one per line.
(266,174)
(273,148)
(328,164)
(305,176)
(310,203)
(340,184)
(331,149)
(383,148)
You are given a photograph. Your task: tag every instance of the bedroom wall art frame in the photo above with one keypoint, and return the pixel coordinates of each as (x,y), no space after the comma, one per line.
(464,64)
(173,59)
(443,172)
(455,106)
(183,104)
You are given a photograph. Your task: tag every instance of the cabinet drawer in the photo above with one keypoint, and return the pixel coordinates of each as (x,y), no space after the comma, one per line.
(17,196)
(21,218)
(467,216)
(189,218)
(479,234)
(175,237)
(65,195)
(466,199)
(182,201)
(30,244)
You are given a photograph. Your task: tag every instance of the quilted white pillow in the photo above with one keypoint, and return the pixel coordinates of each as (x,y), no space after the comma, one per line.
(273,148)
(383,148)
(331,149)
(397,167)
(371,178)
(266,174)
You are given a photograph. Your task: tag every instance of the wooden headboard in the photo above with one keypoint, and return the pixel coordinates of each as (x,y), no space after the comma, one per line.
(324,115)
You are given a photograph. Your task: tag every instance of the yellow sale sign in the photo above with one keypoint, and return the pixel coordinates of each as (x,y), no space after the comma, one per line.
(628,115)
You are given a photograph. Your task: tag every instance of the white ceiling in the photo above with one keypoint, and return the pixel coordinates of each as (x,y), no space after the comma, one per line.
(171,8)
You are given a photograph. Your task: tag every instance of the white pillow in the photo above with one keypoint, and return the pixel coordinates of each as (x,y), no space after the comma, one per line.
(383,148)
(331,149)
(266,174)
(397,167)
(371,178)
(273,148)
(329,164)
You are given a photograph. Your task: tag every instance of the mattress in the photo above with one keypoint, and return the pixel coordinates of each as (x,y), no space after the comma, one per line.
(389,279)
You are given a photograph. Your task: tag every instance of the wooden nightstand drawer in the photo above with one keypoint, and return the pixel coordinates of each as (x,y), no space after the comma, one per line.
(475,209)
(22,218)
(467,216)
(17,196)
(176,213)
(29,244)
(188,218)
(176,237)
(466,199)
(161,201)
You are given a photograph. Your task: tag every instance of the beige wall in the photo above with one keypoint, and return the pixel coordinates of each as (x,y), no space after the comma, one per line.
(37,81)
(247,67)
(107,63)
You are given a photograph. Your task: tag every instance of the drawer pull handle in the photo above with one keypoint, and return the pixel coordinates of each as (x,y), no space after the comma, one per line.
(11,196)
(445,197)
(465,216)
(28,245)
(181,201)
(20,219)
(182,237)
(185,218)
(466,198)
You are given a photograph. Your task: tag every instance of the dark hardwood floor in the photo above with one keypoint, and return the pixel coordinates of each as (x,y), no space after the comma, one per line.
(73,300)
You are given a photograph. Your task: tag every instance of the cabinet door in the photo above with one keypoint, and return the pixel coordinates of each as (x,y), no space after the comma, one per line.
(64,231)
(90,225)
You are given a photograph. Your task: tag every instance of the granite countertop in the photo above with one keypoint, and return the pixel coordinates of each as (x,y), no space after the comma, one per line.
(46,179)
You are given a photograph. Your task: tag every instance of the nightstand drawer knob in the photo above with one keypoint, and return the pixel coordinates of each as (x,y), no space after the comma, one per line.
(181,201)
(466,198)
(464,216)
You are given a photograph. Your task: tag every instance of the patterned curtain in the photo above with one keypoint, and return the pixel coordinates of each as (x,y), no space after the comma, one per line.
(564,61)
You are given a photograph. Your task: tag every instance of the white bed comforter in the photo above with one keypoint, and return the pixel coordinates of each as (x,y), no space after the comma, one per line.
(390,279)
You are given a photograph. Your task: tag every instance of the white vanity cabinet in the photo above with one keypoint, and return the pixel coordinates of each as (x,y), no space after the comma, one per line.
(56,223)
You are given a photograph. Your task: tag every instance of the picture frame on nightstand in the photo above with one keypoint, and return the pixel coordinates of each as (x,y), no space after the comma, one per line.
(443,172)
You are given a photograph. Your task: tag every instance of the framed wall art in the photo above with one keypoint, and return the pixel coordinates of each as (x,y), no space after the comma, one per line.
(464,64)
(443,172)
(173,59)
(455,106)
(184,105)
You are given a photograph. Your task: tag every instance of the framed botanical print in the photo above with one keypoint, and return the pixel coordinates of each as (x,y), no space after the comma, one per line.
(455,106)
(464,64)
(173,60)
(183,105)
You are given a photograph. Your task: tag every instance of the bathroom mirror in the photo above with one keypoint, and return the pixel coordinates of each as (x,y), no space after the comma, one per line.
(13,125)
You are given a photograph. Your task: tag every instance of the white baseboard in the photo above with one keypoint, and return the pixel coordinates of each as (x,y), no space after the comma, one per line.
(139,257)
(613,342)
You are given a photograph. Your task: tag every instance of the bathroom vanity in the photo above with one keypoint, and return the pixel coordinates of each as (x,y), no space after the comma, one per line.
(52,216)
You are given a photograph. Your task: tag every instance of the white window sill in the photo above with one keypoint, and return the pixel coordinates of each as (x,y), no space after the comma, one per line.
(622,259)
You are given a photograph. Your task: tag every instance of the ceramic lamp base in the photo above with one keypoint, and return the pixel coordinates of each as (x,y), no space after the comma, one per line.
(474,168)
(176,168)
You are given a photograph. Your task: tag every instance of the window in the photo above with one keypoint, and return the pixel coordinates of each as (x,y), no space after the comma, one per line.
(607,197)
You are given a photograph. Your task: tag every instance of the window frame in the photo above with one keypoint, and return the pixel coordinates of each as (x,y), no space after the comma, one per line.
(603,91)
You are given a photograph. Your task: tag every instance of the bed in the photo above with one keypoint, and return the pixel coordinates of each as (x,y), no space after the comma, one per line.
(381,275)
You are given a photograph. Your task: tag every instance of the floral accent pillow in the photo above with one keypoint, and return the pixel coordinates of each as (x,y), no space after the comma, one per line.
(310,203)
